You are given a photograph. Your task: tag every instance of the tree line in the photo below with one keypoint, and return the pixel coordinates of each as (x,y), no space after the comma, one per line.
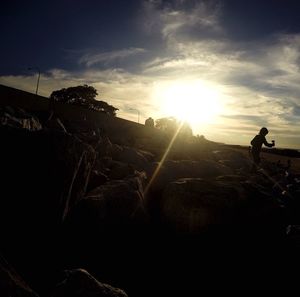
(85,96)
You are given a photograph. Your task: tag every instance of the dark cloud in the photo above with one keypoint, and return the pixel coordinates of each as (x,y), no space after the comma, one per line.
(36,32)
(296,110)
(258,83)
(256,19)
(258,120)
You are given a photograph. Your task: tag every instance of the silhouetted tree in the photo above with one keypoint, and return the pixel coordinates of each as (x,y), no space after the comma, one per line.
(84,96)
(104,107)
(186,130)
(200,137)
(75,95)
(168,124)
(171,125)
(149,122)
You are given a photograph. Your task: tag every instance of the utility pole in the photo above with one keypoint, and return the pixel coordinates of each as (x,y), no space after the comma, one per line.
(138,113)
(38,80)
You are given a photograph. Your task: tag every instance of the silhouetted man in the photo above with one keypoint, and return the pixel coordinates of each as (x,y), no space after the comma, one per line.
(257,143)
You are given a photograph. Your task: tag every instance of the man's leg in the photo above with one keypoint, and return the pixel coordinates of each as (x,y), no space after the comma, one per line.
(256,161)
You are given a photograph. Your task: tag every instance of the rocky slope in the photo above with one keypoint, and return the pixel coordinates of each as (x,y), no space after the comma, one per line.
(74,204)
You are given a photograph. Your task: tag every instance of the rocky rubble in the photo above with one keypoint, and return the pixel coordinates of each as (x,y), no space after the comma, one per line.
(73,202)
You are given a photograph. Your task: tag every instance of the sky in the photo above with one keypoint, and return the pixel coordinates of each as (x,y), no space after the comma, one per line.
(228,67)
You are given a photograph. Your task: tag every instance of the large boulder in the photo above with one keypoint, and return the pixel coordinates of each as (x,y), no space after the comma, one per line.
(115,205)
(233,159)
(120,199)
(197,205)
(161,174)
(131,156)
(194,204)
(107,230)
(119,170)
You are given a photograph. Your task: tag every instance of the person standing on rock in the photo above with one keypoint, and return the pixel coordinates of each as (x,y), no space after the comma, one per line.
(256,144)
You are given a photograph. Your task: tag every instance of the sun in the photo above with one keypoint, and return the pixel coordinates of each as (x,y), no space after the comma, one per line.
(193,101)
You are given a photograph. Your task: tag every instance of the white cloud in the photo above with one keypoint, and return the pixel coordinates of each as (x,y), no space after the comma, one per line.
(201,17)
(171,18)
(108,57)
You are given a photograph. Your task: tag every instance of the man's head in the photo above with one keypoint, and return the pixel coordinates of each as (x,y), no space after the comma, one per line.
(263,131)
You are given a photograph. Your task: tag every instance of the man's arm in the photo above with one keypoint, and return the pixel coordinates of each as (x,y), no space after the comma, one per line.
(267,144)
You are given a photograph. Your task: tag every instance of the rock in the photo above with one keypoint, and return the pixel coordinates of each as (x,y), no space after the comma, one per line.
(149,156)
(120,170)
(79,283)
(97,178)
(44,174)
(171,171)
(130,156)
(196,205)
(293,236)
(116,151)
(104,147)
(232,178)
(115,208)
(50,169)
(18,118)
(55,124)
(106,232)
(11,283)
(233,159)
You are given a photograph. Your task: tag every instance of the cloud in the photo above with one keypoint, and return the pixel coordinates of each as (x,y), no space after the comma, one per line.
(109,57)
(296,109)
(258,79)
(172,18)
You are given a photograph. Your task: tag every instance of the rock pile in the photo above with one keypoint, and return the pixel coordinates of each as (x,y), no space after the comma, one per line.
(73,202)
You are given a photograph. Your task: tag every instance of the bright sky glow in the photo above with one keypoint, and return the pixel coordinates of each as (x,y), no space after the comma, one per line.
(193,101)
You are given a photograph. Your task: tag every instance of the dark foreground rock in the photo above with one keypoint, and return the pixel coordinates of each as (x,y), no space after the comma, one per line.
(11,283)
(44,173)
(79,283)
(70,198)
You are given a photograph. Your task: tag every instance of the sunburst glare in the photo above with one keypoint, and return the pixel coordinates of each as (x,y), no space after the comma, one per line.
(194,101)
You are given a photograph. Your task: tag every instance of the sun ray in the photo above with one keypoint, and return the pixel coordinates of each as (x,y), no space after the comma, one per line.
(154,175)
